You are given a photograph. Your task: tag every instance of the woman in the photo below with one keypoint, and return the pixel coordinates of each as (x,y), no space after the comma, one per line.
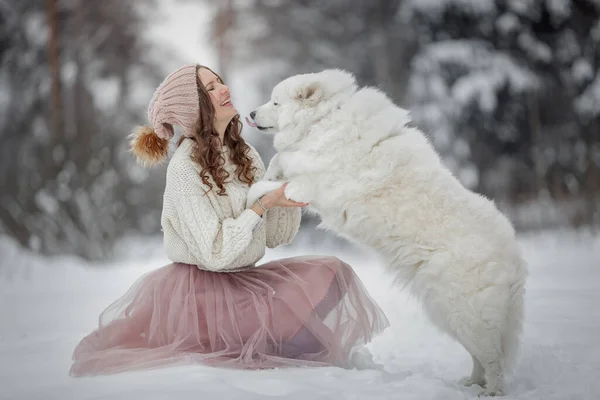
(213,305)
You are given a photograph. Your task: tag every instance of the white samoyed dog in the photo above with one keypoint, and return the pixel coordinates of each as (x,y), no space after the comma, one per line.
(373,178)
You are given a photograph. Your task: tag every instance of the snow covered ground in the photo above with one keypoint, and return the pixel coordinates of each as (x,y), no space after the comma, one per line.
(47,305)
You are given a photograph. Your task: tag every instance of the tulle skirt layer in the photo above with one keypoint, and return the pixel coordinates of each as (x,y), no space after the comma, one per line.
(300,311)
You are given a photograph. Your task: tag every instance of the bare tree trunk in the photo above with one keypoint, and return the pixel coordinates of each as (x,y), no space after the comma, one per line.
(54,61)
(592,175)
(536,142)
(224,22)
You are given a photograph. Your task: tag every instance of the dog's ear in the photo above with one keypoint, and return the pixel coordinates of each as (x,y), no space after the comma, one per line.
(310,93)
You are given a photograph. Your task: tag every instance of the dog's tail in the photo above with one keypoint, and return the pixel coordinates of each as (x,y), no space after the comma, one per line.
(514,318)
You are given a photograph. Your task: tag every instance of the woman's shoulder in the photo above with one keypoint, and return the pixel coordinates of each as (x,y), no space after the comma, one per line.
(182,157)
(182,168)
(183,151)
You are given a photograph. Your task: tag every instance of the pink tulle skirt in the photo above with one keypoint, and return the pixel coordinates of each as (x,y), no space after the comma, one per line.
(300,311)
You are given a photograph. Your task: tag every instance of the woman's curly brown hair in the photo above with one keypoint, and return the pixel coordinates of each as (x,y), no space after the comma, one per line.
(208,151)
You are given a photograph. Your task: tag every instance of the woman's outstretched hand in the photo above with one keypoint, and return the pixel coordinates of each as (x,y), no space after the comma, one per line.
(276,198)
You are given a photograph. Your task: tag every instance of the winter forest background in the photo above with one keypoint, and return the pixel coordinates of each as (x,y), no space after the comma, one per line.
(508,90)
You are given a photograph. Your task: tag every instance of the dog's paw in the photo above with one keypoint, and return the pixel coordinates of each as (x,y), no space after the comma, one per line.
(468,381)
(295,193)
(491,393)
(259,189)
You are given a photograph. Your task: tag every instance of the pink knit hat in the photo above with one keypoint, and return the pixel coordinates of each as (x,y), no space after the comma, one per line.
(175,102)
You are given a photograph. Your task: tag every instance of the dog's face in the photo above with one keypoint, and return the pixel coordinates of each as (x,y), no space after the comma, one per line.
(300,101)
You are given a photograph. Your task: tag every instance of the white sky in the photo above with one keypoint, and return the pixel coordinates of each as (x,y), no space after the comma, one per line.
(185,31)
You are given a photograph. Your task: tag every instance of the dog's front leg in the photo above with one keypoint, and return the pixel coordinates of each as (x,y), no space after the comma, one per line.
(259,189)
(275,171)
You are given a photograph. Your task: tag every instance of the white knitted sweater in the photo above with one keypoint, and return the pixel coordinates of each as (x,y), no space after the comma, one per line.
(218,233)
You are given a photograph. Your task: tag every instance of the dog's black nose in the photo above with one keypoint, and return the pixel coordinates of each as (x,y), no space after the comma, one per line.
(252,114)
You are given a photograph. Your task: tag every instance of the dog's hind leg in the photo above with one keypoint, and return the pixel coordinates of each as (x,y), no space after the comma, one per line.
(487,369)
(495,378)
(487,354)
(477,375)
(482,340)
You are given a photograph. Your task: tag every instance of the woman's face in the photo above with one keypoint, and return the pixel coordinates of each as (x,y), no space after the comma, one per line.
(219,96)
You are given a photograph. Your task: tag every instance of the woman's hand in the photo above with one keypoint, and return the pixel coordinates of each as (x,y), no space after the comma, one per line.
(276,198)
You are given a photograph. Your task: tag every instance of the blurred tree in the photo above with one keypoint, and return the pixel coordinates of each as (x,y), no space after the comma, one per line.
(224,21)
(70,71)
(510,91)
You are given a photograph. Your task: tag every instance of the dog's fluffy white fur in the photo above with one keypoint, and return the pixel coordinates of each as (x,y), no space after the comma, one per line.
(372,178)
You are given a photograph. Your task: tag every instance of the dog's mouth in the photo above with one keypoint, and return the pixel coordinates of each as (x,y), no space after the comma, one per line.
(255,125)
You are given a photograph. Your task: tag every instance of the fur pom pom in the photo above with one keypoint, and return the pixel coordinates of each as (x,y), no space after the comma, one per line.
(148,148)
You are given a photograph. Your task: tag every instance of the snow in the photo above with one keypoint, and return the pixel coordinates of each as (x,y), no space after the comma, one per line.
(106,92)
(448,79)
(587,104)
(437,7)
(559,10)
(46,202)
(538,51)
(595,32)
(507,23)
(491,70)
(582,70)
(523,7)
(47,305)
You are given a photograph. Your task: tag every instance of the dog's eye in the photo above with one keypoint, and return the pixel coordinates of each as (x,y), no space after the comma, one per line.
(275,104)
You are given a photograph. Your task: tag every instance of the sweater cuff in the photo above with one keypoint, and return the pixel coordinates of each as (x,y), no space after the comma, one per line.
(248,219)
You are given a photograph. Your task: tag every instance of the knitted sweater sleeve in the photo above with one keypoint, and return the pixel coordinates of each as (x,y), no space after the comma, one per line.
(217,245)
(282,223)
